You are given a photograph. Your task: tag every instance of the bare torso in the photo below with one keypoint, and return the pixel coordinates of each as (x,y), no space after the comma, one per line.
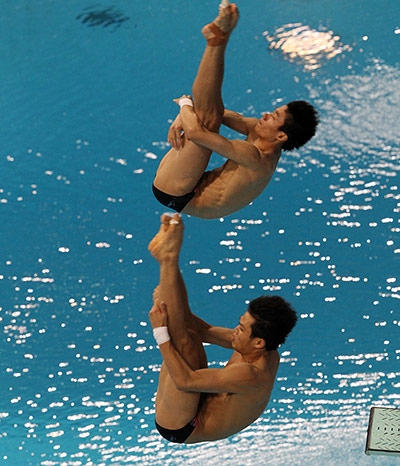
(224,414)
(229,188)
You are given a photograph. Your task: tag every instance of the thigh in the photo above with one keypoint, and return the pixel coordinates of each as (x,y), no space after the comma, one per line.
(175,408)
(180,170)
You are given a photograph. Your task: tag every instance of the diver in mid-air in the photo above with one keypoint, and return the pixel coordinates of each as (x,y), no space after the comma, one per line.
(194,403)
(182,182)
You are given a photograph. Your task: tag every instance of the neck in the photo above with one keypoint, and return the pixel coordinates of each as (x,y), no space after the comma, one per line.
(267,147)
(254,356)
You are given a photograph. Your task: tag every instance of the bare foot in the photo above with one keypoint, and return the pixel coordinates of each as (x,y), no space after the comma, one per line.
(167,243)
(217,32)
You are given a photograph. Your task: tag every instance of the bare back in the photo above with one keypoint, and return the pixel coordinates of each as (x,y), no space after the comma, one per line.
(224,414)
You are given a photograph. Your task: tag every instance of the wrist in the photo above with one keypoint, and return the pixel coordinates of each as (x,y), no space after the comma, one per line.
(185,101)
(161,335)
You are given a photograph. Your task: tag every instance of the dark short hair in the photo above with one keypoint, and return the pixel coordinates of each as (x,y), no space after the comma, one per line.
(300,124)
(274,319)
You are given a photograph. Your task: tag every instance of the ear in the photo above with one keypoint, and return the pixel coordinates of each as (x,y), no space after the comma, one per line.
(282,137)
(260,343)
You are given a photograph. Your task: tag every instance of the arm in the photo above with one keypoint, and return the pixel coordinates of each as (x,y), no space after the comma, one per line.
(233,120)
(241,152)
(235,378)
(238,122)
(215,335)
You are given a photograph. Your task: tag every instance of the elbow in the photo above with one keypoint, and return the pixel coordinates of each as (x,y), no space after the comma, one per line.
(181,382)
(186,382)
(181,385)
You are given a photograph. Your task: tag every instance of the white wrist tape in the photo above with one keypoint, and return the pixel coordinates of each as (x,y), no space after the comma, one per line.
(161,335)
(185,101)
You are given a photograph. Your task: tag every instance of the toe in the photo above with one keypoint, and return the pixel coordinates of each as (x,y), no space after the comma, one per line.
(165,218)
(175,220)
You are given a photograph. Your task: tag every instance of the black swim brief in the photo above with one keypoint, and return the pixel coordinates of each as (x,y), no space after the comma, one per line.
(178,435)
(177,203)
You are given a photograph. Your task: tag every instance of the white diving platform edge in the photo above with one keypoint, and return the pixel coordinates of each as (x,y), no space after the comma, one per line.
(383,436)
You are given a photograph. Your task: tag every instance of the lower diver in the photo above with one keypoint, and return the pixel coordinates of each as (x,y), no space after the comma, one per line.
(194,403)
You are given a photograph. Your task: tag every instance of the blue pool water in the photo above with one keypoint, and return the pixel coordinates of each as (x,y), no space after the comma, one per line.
(86,99)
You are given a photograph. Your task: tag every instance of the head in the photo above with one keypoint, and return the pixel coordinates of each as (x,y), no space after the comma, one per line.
(272,319)
(268,128)
(300,124)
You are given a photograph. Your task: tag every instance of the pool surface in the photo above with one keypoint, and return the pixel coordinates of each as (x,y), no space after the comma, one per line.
(86,98)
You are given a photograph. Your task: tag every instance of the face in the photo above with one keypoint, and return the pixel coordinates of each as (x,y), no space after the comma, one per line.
(241,338)
(268,126)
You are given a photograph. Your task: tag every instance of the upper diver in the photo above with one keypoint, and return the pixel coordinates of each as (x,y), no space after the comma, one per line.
(182,182)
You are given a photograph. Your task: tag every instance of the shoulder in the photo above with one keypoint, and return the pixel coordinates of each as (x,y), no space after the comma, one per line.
(249,377)
(250,123)
(248,370)
(253,157)
(246,373)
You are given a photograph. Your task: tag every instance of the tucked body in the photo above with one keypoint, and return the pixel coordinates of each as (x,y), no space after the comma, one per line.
(233,397)
(182,179)
(195,403)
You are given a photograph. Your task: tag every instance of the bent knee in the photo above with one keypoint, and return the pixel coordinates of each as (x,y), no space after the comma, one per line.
(187,342)
(213,126)
(190,347)
(211,119)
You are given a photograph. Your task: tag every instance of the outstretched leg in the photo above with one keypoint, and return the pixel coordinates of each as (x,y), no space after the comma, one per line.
(206,91)
(174,408)
(180,170)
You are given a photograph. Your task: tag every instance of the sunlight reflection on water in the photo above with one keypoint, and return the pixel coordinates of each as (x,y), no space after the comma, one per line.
(305,45)
(81,368)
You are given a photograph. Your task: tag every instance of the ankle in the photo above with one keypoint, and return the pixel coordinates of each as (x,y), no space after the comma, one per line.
(170,260)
